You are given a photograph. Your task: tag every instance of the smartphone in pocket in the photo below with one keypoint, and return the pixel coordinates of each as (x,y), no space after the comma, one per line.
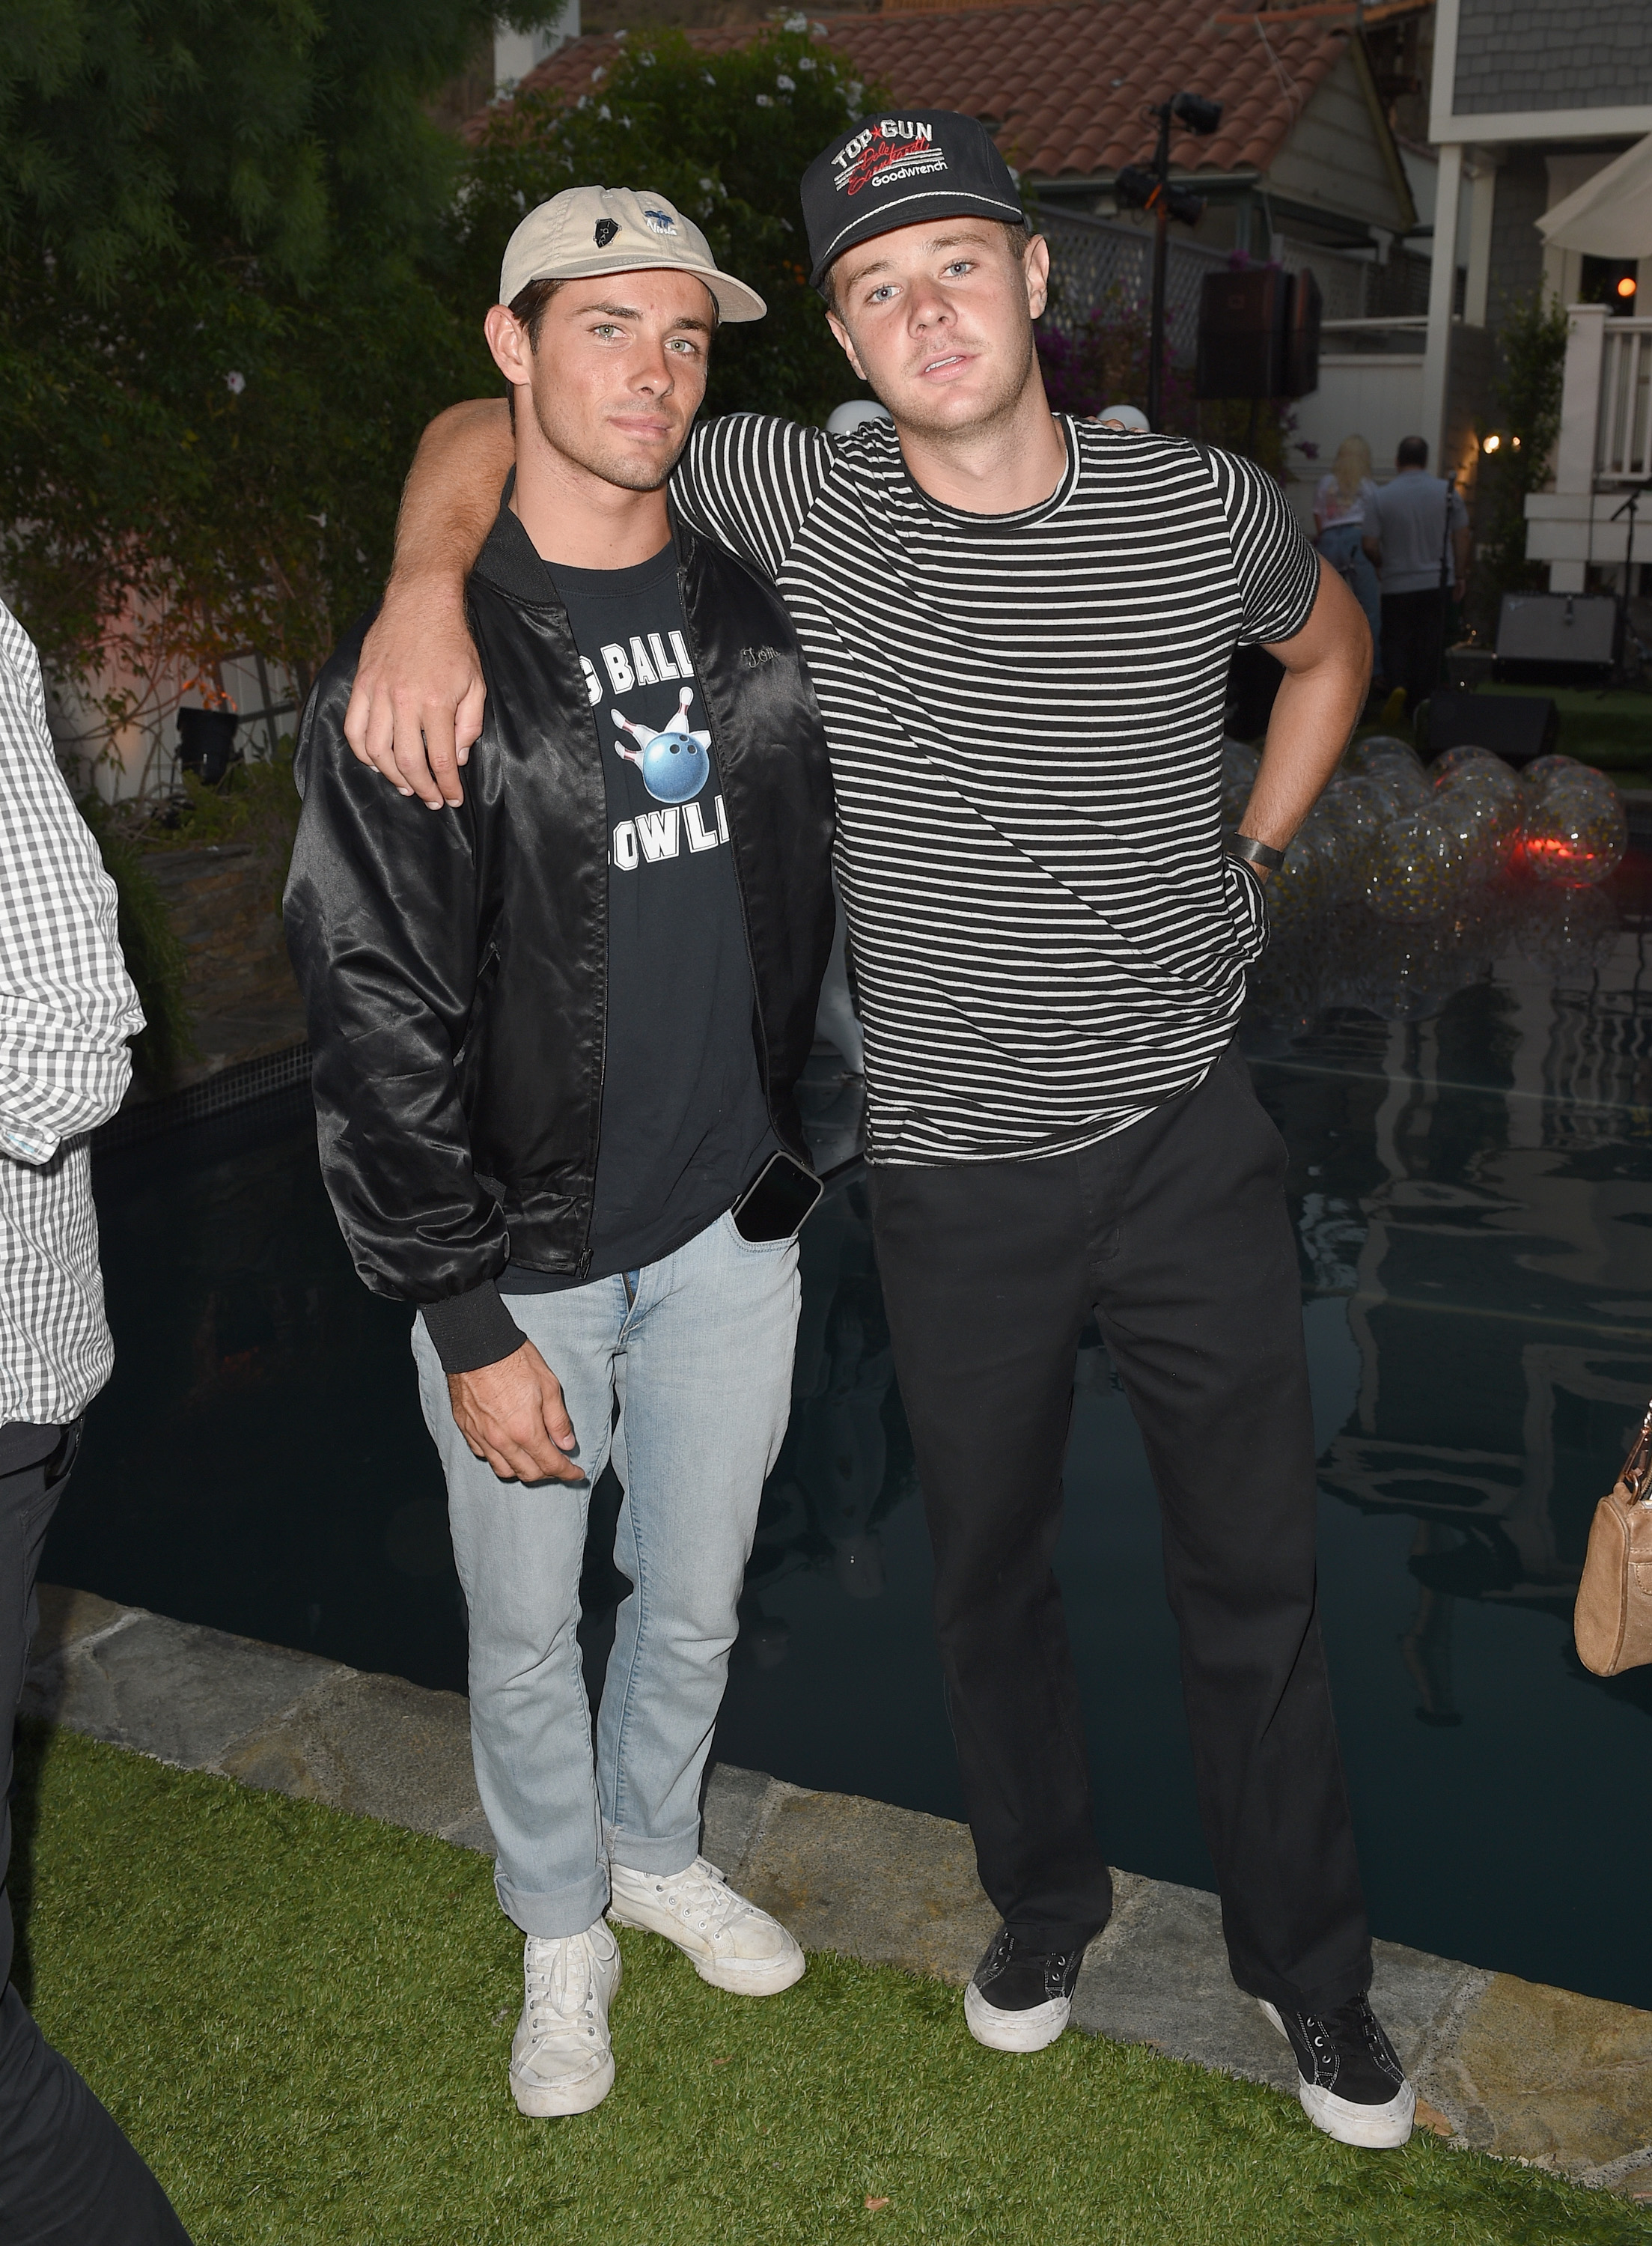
(775,1203)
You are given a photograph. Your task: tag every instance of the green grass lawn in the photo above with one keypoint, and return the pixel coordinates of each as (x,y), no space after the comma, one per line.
(303,2019)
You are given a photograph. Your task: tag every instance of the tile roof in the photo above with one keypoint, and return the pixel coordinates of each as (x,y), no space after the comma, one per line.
(1063,82)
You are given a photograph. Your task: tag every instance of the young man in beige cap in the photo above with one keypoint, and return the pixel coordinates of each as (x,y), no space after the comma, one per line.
(1019,627)
(557,1039)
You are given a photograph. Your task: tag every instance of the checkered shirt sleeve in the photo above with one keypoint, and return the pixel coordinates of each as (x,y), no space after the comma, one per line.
(67,1008)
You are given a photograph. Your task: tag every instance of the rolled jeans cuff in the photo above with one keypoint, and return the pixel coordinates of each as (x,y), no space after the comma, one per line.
(570,1910)
(661,1858)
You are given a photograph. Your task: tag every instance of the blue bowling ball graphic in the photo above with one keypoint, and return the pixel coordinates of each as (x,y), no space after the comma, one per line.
(674,763)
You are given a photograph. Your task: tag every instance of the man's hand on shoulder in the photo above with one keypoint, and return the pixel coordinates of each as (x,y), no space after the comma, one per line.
(512,1414)
(416,708)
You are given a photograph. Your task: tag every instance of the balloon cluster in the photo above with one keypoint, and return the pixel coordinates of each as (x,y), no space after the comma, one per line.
(1411,841)
(1407,880)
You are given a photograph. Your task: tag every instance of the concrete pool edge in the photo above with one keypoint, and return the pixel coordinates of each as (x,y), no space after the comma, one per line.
(1505,2066)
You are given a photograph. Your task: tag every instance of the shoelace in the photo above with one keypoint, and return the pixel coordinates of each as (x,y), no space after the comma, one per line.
(555,1991)
(1057,1962)
(1358,2026)
(702,1896)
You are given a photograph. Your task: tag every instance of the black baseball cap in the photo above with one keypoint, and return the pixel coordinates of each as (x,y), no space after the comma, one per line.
(895,171)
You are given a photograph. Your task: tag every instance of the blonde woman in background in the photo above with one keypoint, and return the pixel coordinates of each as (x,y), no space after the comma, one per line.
(1340,518)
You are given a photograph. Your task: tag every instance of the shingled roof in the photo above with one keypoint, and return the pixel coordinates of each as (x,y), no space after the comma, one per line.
(1063,82)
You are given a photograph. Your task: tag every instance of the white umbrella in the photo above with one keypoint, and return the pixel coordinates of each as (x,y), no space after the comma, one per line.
(1611,214)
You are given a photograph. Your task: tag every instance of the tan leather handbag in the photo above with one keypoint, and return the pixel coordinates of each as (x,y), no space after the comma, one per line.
(1613,1620)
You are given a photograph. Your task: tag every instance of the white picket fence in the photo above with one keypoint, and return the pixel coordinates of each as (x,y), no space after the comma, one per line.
(1621,435)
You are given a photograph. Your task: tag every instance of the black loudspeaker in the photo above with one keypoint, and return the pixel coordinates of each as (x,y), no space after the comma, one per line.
(1258,334)
(207,742)
(1301,336)
(1241,333)
(1556,636)
(1517,727)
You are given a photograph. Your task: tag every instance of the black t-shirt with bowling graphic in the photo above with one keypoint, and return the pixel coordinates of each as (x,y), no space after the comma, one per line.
(684,1126)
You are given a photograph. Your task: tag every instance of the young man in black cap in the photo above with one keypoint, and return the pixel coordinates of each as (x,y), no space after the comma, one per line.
(1019,627)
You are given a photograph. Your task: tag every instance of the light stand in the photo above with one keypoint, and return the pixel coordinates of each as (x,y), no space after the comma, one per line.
(1147,187)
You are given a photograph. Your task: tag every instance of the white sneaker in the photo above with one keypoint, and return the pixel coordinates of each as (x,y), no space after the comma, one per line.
(733,1944)
(561,2061)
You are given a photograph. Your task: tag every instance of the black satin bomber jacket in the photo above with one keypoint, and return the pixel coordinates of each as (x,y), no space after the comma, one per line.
(454,963)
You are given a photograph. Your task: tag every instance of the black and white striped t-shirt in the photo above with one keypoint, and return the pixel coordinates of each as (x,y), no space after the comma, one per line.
(1024,713)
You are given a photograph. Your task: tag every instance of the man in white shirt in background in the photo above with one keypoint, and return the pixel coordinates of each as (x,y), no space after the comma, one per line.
(66,1010)
(1417,534)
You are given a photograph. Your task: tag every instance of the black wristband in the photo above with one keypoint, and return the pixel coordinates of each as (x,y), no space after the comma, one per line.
(1254,853)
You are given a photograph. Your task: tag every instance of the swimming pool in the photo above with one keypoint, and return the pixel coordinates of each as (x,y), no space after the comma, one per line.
(1469,1113)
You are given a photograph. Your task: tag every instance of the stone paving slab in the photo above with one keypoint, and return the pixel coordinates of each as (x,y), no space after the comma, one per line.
(1525,2071)
(377,1746)
(891,1886)
(290,1723)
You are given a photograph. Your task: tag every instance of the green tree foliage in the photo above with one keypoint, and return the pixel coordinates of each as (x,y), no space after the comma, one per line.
(239,268)
(726,137)
(218,332)
(1533,345)
(151,947)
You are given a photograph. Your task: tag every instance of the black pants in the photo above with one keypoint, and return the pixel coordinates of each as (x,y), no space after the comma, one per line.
(1413,642)
(1175,1232)
(68,2177)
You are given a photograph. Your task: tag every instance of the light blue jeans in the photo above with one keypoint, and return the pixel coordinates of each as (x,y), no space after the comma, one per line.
(699,1366)
(1343,546)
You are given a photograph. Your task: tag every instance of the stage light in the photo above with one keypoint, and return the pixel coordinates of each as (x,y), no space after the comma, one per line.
(1136,185)
(1196,113)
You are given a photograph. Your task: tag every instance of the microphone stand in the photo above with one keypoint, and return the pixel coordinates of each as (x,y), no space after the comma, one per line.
(1627,635)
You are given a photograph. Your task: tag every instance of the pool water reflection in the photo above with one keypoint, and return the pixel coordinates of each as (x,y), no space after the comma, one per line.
(1470,1136)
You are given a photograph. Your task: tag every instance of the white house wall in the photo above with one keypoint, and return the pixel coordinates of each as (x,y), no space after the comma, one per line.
(1377,398)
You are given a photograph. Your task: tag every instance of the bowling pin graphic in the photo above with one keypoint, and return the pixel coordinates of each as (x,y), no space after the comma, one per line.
(674,763)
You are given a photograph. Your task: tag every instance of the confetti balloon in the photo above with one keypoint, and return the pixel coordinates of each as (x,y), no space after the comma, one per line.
(1417,870)
(1306,882)
(1484,764)
(1356,811)
(1575,829)
(1453,760)
(1481,818)
(1393,764)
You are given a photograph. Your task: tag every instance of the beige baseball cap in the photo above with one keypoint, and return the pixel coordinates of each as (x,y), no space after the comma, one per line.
(588,230)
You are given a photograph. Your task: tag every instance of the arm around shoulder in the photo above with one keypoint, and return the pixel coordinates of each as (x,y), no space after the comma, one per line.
(416,700)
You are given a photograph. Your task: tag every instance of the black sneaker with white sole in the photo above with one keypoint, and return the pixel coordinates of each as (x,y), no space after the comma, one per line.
(1020,1998)
(1352,2085)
